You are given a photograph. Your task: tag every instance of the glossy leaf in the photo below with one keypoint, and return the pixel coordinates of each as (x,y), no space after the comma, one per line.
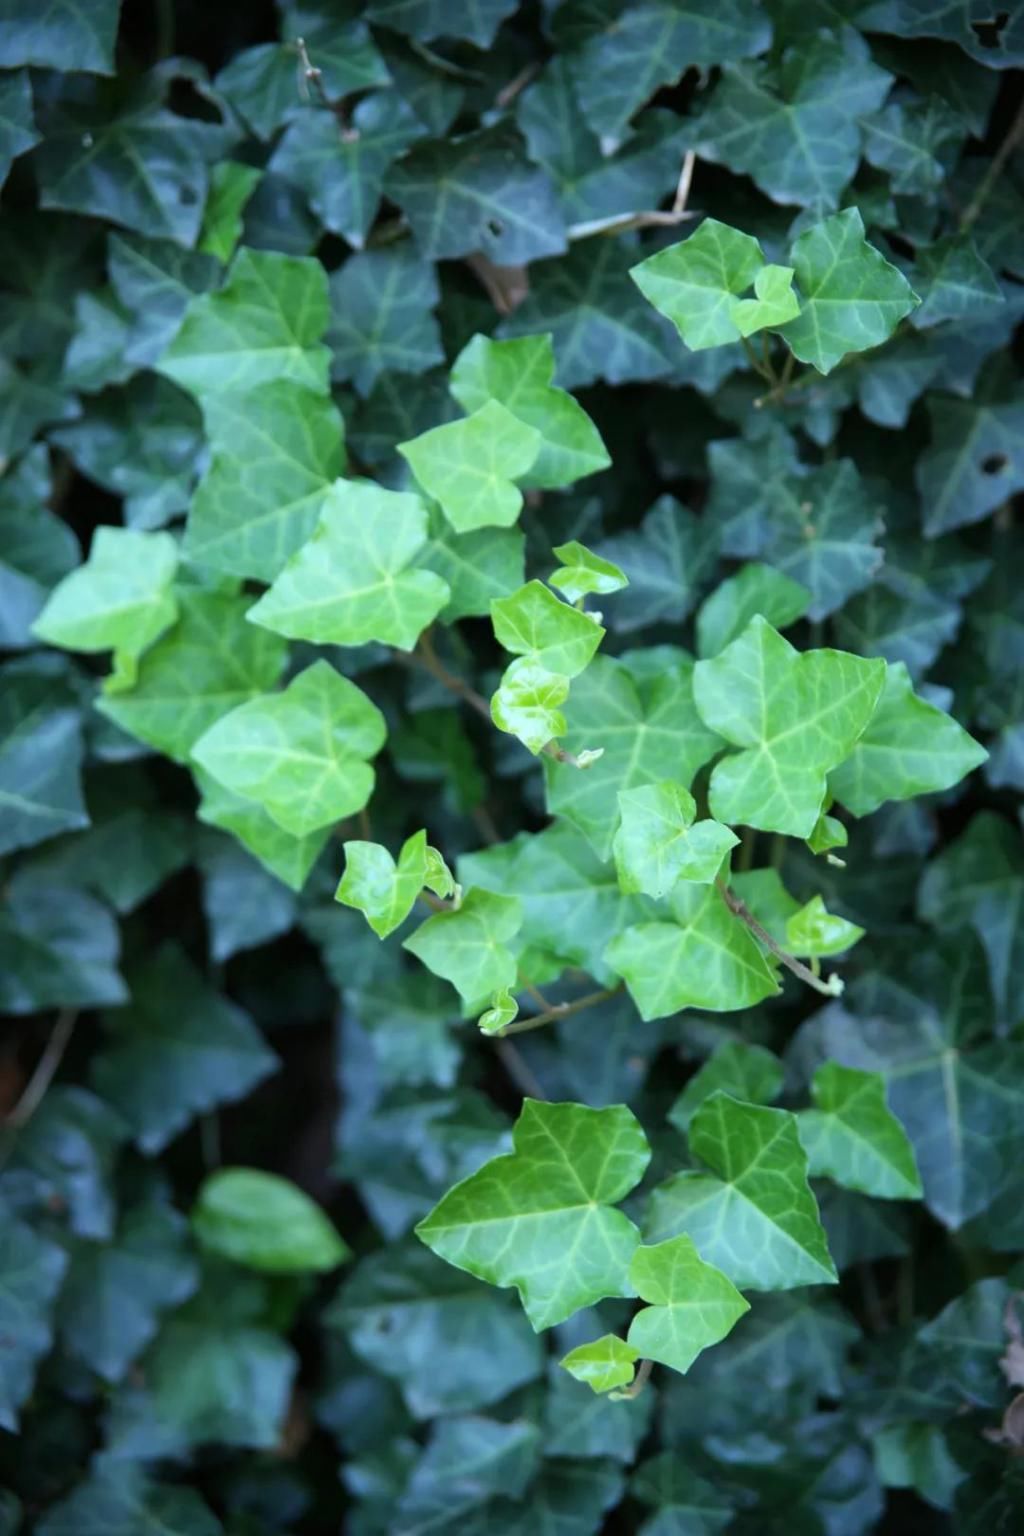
(468,945)
(470,466)
(603,1364)
(264,1222)
(853,1137)
(534,623)
(659,843)
(584,573)
(693,1305)
(754,1216)
(384,890)
(558,1238)
(301,754)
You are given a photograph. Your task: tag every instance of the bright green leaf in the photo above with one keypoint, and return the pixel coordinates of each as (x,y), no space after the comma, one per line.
(468,946)
(853,1137)
(693,1305)
(540,1218)
(383,891)
(264,1222)
(534,623)
(697,282)
(605,1363)
(658,843)
(469,466)
(584,573)
(527,703)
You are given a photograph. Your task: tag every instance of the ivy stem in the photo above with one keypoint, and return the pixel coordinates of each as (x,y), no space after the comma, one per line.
(991,176)
(636,1386)
(425,656)
(560,1011)
(831,988)
(755,362)
(44,1072)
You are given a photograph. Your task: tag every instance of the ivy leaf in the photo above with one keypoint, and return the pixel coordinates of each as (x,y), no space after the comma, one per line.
(518,375)
(155,281)
(658,844)
(755,589)
(119,1496)
(999,49)
(116,1293)
(503,1010)
(478,193)
(382,318)
(908,748)
(40,759)
(177,1051)
(468,1462)
(342,172)
(534,623)
(301,754)
(814,931)
(693,1305)
(625,58)
(468,946)
(142,166)
(264,326)
(699,282)
(276,450)
(978,882)
(58,948)
(665,560)
(917,142)
(955,283)
(584,573)
(231,186)
(605,1363)
(853,1137)
(67,35)
(745,1071)
(792,124)
(685,1504)
(119,600)
(426,20)
(600,324)
(17,126)
(351,581)
(385,892)
(31,1271)
(38,548)
(265,1222)
(526,703)
(208,664)
(557,1238)
(478,566)
(403,1310)
(644,722)
(794,715)
(704,958)
(288,857)
(756,1219)
(974,463)
(469,466)
(852,298)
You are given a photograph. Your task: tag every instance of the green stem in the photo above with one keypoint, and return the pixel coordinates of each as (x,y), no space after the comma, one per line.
(755,361)
(636,1386)
(560,1011)
(831,988)
(992,175)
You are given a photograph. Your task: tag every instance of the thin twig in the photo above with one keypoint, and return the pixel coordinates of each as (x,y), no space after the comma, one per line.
(314,78)
(517,1069)
(426,657)
(561,1011)
(755,361)
(655,218)
(43,1075)
(534,992)
(1014,133)
(508,93)
(683,184)
(831,988)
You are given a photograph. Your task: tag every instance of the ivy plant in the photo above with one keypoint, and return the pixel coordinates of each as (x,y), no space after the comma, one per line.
(511,755)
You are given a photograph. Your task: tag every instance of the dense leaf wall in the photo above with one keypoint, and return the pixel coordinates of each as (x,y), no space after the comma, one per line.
(245,251)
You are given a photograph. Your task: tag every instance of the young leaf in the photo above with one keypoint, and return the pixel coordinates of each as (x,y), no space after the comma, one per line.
(301,754)
(697,283)
(503,1009)
(908,748)
(469,466)
(658,844)
(757,1220)
(468,946)
(263,327)
(534,623)
(210,662)
(527,701)
(705,958)
(518,375)
(693,1305)
(773,304)
(744,1071)
(853,1137)
(120,600)
(644,720)
(351,582)
(584,573)
(794,716)
(604,1363)
(265,1222)
(383,891)
(540,1218)
(852,298)
(288,857)
(814,931)
(755,589)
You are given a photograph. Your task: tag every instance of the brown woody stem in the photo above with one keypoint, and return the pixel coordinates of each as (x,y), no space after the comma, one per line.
(738,908)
